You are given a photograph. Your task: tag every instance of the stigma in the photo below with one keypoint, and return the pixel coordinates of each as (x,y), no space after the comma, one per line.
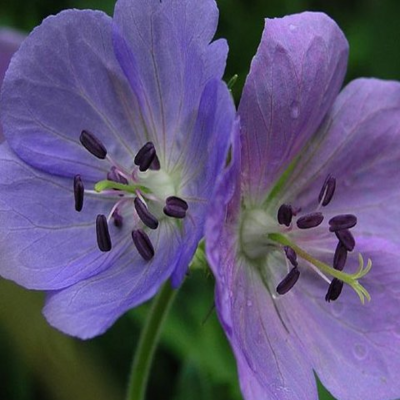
(140,200)
(286,232)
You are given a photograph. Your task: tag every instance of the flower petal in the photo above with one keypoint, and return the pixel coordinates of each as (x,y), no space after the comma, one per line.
(293,81)
(89,307)
(45,242)
(163,49)
(270,364)
(65,79)
(359,145)
(353,348)
(204,155)
(10,40)
(267,352)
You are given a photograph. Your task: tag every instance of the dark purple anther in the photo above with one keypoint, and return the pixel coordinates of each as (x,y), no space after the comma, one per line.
(285,214)
(145,156)
(340,222)
(291,255)
(145,215)
(340,257)
(79,192)
(143,244)
(103,235)
(310,220)
(327,191)
(346,238)
(93,145)
(155,165)
(288,281)
(114,176)
(335,288)
(175,207)
(118,220)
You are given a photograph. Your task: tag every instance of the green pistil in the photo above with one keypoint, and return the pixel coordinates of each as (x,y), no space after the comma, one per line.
(350,279)
(106,184)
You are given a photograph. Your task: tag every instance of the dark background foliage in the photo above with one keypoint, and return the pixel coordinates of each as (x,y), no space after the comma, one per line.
(193,360)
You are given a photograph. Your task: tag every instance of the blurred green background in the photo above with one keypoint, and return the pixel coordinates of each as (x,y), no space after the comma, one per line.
(193,360)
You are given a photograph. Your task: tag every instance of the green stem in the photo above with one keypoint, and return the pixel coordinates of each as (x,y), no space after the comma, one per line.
(147,343)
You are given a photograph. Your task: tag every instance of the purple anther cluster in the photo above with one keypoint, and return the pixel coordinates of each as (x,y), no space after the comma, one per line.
(145,159)
(339,224)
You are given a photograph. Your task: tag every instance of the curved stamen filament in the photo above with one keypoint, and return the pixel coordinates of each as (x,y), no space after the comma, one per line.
(350,279)
(106,184)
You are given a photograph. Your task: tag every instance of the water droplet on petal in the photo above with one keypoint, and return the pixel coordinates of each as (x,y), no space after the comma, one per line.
(249,303)
(360,351)
(292,27)
(337,309)
(295,110)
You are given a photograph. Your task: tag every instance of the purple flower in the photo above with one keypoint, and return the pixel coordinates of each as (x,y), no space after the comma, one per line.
(313,182)
(10,40)
(127,121)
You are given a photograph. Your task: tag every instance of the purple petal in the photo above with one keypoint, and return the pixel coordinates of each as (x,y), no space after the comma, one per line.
(353,348)
(89,307)
(360,145)
(270,366)
(293,81)
(163,49)
(267,352)
(204,155)
(47,244)
(10,40)
(65,79)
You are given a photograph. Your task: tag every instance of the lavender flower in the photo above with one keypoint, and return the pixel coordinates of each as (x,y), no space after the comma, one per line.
(10,40)
(106,120)
(313,182)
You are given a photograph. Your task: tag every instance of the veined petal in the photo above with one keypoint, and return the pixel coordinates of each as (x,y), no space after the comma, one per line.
(203,156)
(89,307)
(163,49)
(270,364)
(353,348)
(359,145)
(293,81)
(10,40)
(44,242)
(65,79)
(268,353)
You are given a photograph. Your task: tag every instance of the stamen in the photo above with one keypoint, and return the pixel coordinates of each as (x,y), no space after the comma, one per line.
(102,233)
(310,220)
(334,290)
(155,165)
(93,145)
(350,279)
(346,238)
(288,281)
(175,207)
(118,220)
(144,214)
(340,257)
(291,255)
(114,176)
(145,156)
(340,222)
(285,214)
(143,244)
(327,191)
(79,192)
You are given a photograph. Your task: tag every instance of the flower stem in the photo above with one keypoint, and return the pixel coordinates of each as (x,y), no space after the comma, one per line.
(147,343)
